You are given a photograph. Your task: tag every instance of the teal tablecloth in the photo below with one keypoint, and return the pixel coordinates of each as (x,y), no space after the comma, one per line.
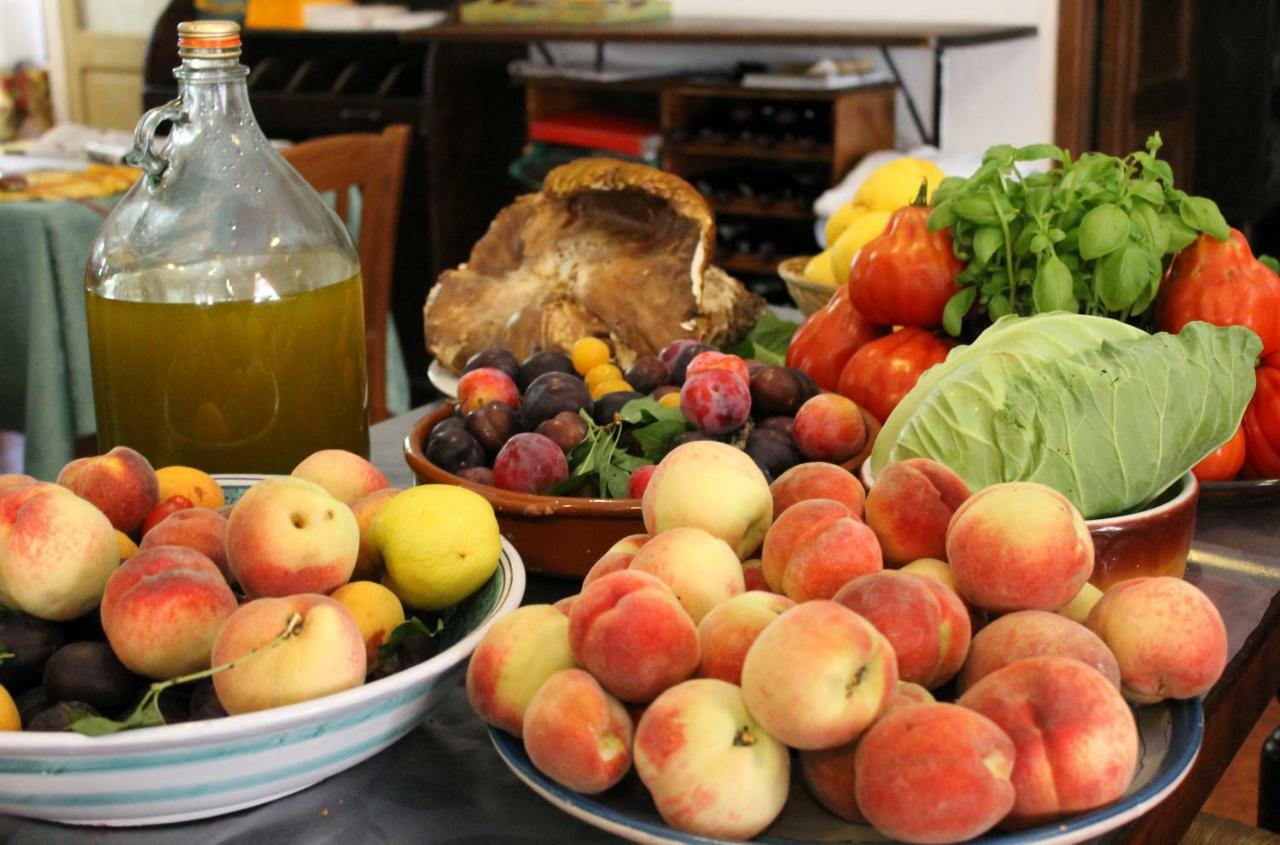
(46,388)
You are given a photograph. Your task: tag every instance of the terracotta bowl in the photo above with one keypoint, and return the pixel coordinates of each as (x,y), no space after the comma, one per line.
(556,535)
(1155,541)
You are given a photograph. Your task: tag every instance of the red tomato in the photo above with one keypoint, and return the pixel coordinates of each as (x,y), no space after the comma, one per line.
(160,511)
(829,338)
(1262,423)
(1221,282)
(882,372)
(1223,463)
(905,276)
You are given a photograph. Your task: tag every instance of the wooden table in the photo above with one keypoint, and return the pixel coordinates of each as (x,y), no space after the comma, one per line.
(444,783)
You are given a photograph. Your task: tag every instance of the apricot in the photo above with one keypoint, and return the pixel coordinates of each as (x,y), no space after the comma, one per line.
(815,548)
(577,734)
(120,483)
(817,480)
(200,488)
(1035,633)
(126,545)
(376,610)
(910,506)
(699,568)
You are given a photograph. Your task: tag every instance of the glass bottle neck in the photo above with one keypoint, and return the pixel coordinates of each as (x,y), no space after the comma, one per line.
(214,90)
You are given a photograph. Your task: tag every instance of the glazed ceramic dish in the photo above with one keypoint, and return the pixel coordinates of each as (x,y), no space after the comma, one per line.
(1154,541)
(1170,735)
(194,770)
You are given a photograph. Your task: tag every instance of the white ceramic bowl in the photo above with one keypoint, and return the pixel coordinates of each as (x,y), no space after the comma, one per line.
(198,769)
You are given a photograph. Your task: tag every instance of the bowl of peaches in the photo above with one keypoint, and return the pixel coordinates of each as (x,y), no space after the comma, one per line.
(566,444)
(179,645)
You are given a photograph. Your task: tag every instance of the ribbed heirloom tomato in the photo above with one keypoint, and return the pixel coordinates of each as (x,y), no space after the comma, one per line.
(1223,463)
(1262,423)
(829,338)
(883,371)
(1221,282)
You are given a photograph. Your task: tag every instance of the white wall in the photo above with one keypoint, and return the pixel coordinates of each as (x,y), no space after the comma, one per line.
(21,33)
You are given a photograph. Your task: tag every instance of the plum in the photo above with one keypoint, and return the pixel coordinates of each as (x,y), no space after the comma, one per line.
(541,363)
(493,425)
(479,475)
(605,409)
(493,357)
(204,703)
(529,463)
(550,394)
(566,428)
(776,392)
(648,373)
(716,401)
(31,641)
(681,362)
(60,716)
(454,450)
(773,451)
(89,672)
(784,424)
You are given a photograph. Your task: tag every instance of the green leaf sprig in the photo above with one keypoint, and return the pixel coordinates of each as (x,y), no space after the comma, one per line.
(601,458)
(1092,236)
(412,625)
(768,340)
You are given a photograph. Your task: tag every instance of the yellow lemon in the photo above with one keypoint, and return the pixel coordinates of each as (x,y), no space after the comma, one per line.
(440,543)
(838,222)
(819,269)
(893,185)
(861,231)
(376,610)
(10,719)
(589,352)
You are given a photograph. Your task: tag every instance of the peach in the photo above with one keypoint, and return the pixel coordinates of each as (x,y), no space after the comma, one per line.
(753,575)
(1019,546)
(629,630)
(1167,636)
(565,604)
(13,480)
(375,609)
(324,654)
(926,623)
(483,385)
(1077,610)
(712,486)
(910,506)
(710,767)
(577,734)
(931,567)
(288,536)
(934,773)
(817,480)
(815,548)
(1076,740)
(829,427)
(369,563)
(56,551)
(727,632)
(617,557)
(699,568)
(1035,633)
(163,609)
(818,675)
(908,693)
(120,483)
(344,475)
(197,486)
(514,658)
(196,528)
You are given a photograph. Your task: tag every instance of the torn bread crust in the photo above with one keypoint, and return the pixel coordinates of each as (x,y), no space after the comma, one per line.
(609,249)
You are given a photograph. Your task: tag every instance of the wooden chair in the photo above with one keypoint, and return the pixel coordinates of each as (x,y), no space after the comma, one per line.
(375,163)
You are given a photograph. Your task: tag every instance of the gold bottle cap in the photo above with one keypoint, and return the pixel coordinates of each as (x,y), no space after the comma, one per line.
(209,39)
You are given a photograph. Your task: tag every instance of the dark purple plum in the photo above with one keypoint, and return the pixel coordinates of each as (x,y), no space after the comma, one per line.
(204,703)
(811,388)
(493,425)
(479,475)
(773,451)
(605,409)
(89,672)
(566,428)
(663,390)
(551,394)
(647,373)
(529,463)
(687,354)
(668,353)
(776,392)
(541,363)
(783,424)
(31,641)
(454,450)
(60,716)
(493,357)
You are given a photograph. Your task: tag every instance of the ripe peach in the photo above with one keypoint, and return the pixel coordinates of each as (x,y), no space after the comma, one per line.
(1077,610)
(1019,546)
(700,569)
(163,608)
(712,486)
(1076,740)
(727,632)
(815,548)
(195,528)
(1035,633)
(13,480)
(344,475)
(369,563)
(324,655)
(934,773)
(577,734)
(629,630)
(926,623)
(818,675)
(753,575)
(120,483)
(817,480)
(711,769)
(375,609)
(288,536)
(931,567)
(565,604)
(514,658)
(1168,638)
(829,427)
(908,693)
(617,557)
(200,488)
(56,551)
(910,506)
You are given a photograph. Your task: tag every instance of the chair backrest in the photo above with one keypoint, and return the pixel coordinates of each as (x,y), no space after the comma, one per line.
(375,164)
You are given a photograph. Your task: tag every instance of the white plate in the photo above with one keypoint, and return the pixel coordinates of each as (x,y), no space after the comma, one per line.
(442,378)
(198,769)
(1170,735)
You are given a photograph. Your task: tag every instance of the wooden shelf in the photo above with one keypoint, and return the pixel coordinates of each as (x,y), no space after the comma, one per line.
(743,149)
(747,263)
(735,90)
(751,208)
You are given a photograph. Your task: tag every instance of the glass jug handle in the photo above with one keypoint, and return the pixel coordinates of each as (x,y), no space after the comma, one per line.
(143,153)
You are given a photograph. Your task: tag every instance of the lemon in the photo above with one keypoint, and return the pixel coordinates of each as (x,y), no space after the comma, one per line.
(10,719)
(440,544)
(865,228)
(838,222)
(819,269)
(893,185)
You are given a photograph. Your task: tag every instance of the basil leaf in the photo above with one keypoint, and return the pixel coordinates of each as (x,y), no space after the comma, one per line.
(1032,152)
(957,307)
(999,306)
(1202,214)
(768,339)
(1270,262)
(942,216)
(1122,276)
(977,209)
(986,241)
(1181,235)
(1053,287)
(655,438)
(1103,230)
